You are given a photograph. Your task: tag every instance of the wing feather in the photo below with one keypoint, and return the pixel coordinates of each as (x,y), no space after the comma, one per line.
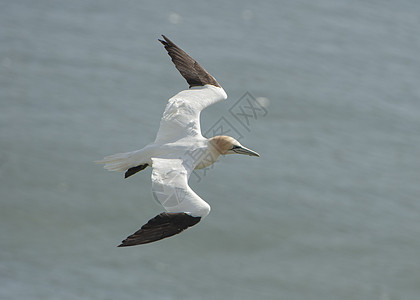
(170,188)
(181,117)
(162,226)
(184,207)
(191,70)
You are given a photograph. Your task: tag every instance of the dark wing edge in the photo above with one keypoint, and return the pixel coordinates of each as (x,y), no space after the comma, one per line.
(134,170)
(191,70)
(162,226)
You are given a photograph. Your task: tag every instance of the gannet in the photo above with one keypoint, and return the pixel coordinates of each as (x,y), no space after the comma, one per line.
(179,148)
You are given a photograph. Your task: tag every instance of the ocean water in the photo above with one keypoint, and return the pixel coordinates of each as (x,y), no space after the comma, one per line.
(330,210)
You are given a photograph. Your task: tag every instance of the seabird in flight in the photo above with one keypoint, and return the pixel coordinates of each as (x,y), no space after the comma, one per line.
(178,150)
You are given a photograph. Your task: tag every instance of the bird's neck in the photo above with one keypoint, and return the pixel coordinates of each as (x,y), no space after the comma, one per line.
(209,156)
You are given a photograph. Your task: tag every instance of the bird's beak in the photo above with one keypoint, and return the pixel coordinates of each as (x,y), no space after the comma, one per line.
(246,151)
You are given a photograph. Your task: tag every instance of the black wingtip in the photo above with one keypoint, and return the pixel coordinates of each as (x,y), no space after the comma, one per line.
(134,170)
(165,40)
(190,69)
(162,226)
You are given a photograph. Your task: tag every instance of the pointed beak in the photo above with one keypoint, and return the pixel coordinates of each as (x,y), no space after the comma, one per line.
(246,151)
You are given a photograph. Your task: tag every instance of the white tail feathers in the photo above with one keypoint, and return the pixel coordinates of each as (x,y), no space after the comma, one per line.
(121,162)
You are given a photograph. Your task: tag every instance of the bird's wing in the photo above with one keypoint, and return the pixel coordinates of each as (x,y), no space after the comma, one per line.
(184,207)
(191,70)
(170,187)
(181,117)
(162,226)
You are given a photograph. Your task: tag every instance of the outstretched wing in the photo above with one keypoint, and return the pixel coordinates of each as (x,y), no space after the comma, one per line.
(184,207)
(191,70)
(181,117)
(162,226)
(170,188)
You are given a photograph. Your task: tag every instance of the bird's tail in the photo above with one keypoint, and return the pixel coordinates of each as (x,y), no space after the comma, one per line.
(121,162)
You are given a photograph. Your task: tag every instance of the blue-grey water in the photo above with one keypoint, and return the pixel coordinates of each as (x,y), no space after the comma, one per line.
(330,210)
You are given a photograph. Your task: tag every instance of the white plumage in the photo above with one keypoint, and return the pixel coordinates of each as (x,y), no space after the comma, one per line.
(170,188)
(178,149)
(181,117)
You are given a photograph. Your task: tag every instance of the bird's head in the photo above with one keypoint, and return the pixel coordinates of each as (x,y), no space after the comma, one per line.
(228,145)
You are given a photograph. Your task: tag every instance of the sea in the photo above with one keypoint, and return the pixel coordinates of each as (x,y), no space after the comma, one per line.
(327,92)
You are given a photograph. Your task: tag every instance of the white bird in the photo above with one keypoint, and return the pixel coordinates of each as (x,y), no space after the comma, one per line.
(178,150)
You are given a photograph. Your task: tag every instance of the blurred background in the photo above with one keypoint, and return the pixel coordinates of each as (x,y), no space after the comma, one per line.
(329,211)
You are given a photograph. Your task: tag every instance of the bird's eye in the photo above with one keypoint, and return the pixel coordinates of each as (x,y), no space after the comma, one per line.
(235,147)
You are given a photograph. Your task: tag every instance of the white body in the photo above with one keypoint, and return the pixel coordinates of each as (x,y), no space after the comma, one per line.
(179,148)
